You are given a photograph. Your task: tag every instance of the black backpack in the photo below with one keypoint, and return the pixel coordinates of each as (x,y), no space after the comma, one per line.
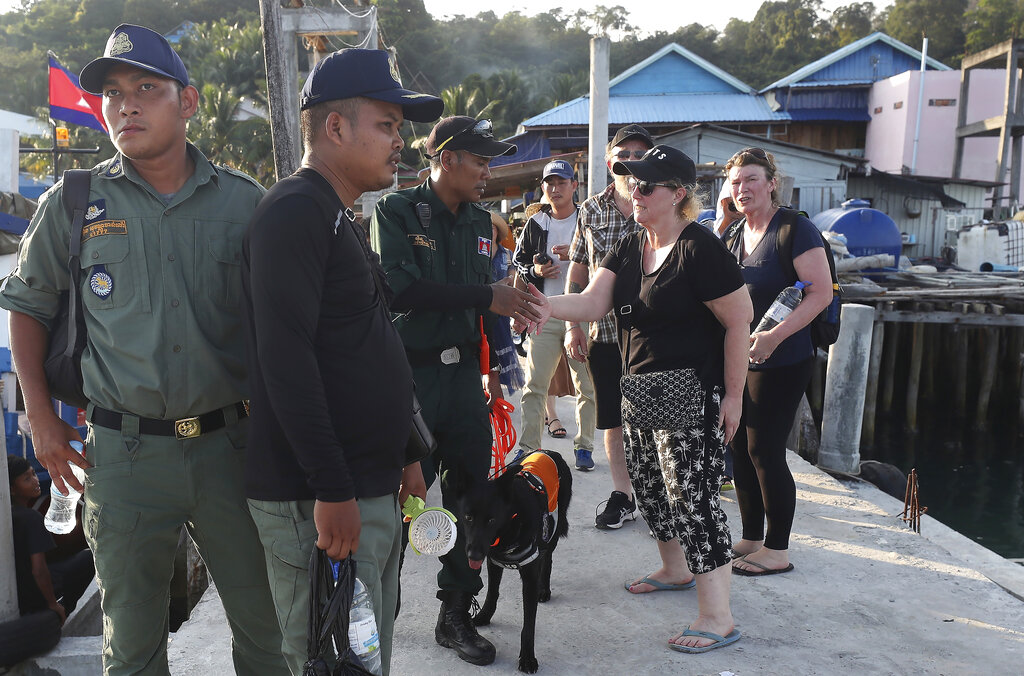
(824,327)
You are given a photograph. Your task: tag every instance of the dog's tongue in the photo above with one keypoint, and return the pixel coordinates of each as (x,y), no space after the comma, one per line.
(475,565)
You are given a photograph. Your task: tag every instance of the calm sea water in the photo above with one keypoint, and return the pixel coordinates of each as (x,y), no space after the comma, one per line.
(971,481)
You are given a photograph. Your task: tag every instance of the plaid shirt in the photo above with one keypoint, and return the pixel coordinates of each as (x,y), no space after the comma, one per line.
(600,226)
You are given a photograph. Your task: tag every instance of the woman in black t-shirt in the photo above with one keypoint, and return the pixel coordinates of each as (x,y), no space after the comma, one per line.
(683,318)
(780,361)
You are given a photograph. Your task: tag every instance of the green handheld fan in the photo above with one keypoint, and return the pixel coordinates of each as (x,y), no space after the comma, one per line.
(431,529)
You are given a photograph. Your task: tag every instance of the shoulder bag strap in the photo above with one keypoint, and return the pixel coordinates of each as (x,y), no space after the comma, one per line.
(75,198)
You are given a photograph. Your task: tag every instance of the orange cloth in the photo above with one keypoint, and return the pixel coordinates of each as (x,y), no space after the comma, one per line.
(544,468)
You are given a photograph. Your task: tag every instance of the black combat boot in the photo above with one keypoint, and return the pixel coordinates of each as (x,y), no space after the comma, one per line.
(455,629)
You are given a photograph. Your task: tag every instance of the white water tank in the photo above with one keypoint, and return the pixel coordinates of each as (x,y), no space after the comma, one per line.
(998,244)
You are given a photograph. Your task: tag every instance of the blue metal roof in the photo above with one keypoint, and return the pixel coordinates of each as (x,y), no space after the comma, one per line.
(664,108)
(676,70)
(864,61)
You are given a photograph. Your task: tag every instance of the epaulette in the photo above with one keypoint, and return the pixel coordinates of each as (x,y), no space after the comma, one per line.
(235,172)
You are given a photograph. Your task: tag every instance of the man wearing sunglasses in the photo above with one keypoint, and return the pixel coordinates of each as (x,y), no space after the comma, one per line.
(434,242)
(604,219)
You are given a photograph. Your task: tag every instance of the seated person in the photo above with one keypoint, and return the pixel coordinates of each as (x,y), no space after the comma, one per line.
(57,586)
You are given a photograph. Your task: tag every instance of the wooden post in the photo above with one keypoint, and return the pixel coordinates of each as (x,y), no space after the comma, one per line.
(889,364)
(989,359)
(928,356)
(960,354)
(867,437)
(280,77)
(1018,353)
(913,378)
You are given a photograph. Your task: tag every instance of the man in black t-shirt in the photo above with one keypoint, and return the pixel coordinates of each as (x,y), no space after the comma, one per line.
(331,387)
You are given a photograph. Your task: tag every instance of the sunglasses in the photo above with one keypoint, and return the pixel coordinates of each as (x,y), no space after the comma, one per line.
(645,188)
(624,154)
(482,128)
(759,153)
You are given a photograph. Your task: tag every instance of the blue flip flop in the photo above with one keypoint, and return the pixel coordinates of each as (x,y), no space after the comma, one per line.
(719,641)
(661,586)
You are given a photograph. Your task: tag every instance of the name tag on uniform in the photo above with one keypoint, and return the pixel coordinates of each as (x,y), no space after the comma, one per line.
(483,246)
(104,228)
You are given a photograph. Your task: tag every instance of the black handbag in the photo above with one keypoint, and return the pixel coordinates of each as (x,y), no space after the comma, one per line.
(329,605)
(63,363)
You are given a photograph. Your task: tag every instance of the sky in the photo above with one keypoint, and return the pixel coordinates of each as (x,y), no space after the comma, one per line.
(647,15)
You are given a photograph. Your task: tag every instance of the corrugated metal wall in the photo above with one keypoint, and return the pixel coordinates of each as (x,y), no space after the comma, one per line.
(929,229)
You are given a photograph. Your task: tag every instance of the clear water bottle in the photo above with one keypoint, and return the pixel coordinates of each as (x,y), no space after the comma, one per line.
(786,301)
(60,517)
(363,637)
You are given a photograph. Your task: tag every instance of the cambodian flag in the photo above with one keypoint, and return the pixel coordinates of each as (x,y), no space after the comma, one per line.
(71,103)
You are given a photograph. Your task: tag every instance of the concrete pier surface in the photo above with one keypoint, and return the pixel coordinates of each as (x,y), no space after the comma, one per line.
(867,596)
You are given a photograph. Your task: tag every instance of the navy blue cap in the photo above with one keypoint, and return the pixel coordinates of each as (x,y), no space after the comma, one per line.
(660,163)
(370,73)
(134,46)
(559,168)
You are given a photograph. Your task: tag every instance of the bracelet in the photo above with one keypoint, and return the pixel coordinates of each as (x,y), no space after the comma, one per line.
(495,369)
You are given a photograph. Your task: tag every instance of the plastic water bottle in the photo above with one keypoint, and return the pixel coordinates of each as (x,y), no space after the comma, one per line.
(786,301)
(60,517)
(363,637)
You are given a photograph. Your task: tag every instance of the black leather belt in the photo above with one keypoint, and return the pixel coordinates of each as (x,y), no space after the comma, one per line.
(183,428)
(445,355)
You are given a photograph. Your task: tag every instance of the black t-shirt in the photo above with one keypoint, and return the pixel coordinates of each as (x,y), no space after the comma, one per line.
(331,386)
(662,317)
(30,537)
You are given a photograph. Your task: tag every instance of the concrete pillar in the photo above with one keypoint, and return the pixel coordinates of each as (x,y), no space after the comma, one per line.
(9,160)
(597,171)
(845,385)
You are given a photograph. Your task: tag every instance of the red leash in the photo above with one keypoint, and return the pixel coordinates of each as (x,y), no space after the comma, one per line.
(504,435)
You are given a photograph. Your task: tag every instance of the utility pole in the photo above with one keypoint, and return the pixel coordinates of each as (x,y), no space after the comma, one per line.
(600,48)
(281,27)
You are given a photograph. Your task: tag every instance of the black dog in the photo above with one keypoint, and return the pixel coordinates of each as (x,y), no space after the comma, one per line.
(516,520)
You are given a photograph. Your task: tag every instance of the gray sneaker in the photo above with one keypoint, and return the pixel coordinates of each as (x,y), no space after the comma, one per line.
(617,508)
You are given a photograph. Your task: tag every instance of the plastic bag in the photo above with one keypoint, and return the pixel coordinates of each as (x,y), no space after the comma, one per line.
(329,606)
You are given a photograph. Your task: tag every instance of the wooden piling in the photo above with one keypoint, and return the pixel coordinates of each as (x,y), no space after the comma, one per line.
(914,377)
(928,356)
(989,360)
(867,436)
(960,356)
(889,363)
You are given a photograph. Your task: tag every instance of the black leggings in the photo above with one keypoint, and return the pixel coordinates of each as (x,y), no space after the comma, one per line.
(764,484)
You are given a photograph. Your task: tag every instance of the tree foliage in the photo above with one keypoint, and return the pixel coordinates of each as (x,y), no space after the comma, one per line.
(507,66)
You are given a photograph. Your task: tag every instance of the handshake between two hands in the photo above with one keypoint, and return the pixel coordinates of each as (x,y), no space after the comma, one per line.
(533,321)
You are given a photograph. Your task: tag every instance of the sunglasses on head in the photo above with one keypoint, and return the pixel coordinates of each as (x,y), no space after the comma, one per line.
(482,128)
(759,153)
(624,154)
(645,188)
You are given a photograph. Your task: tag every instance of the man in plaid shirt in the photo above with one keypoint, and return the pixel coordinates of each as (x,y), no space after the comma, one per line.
(603,220)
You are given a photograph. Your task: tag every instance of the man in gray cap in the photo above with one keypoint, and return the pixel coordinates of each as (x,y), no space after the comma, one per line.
(434,241)
(164,368)
(332,390)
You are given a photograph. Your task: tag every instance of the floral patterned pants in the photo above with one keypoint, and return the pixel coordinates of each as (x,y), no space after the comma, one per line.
(676,477)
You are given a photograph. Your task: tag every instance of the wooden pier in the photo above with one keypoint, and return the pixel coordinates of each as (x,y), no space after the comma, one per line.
(950,337)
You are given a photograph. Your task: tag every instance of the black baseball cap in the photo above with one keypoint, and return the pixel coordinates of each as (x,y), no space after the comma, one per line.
(466,133)
(134,46)
(631,131)
(370,73)
(660,163)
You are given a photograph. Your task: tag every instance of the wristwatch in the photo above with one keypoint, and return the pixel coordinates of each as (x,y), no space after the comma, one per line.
(495,369)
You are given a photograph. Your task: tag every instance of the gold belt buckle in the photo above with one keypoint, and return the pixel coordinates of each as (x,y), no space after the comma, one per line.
(450,356)
(187,428)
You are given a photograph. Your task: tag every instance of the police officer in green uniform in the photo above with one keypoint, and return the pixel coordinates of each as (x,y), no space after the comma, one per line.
(164,367)
(435,245)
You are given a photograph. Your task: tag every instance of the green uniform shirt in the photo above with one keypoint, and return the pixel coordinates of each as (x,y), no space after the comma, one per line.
(161,286)
(454,249)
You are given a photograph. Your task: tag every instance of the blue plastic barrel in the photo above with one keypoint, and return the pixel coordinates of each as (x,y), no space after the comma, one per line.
(868,231)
